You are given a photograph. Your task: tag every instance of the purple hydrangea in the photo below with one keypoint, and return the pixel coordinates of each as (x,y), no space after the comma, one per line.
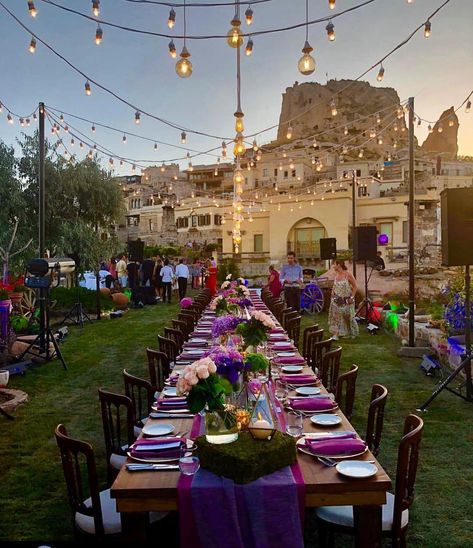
(224,324)
(229,362)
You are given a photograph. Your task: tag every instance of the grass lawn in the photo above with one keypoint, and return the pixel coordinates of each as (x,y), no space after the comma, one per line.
(33,499)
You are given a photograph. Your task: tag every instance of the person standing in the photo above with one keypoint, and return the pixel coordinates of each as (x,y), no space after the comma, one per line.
(122,272)
(182,274)
(274,283)
(211,279)
(292,280)
(147,268)
(341,314)
(133,274)
(167,276)
(157,279)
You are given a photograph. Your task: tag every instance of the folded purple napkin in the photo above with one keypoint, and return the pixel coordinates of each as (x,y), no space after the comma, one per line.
(195,344)
(289,360)
(172,380)
(299,378)
(311,404)
(172,403)
(336,447)
(157,448)
(277,337)
(277,330)
(191,357)
(329,437)
(281,347)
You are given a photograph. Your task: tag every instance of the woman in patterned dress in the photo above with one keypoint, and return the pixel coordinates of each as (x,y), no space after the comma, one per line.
(341,315)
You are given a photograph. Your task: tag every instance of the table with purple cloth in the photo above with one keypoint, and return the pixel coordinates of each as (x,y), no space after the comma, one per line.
(214,511)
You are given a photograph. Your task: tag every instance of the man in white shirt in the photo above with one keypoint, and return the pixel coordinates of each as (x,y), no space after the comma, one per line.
(122,272)
(182,273)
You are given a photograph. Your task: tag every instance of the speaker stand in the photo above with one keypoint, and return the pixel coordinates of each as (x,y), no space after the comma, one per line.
(466,362)
(365,308)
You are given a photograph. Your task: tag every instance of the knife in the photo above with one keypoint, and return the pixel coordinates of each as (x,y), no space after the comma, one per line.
(171,416)
(149,467)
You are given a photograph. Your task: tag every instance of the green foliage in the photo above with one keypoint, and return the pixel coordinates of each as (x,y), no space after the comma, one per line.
(257,362)
(209,392)
(66,297)
(253,332)
(19,324)
(19,288)
(162,251)
(4,295)
(226,267)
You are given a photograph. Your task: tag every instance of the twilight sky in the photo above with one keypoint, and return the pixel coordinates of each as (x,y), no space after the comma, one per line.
(437,71)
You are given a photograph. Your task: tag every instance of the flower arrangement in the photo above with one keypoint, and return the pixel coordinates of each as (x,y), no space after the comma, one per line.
(203,386)
(219,304)
(225,285)
(256,362)
(254,330)
(186,302)
(224,325)
(242,291)
(229,363)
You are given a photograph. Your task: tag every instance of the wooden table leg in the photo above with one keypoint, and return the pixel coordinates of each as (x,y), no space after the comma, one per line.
(368,526)
(134,526)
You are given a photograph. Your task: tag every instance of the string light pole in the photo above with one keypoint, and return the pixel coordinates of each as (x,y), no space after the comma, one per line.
(411,222)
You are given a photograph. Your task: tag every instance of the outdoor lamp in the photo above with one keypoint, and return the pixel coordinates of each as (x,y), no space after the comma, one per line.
(172,49)
(184,66)
(249,47)
(330,28)
(96,7)
(172,18)
(306,64)
(234,35)
(32,9)
(249,15)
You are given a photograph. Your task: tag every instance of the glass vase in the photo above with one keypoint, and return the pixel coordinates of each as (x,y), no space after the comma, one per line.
(221,426)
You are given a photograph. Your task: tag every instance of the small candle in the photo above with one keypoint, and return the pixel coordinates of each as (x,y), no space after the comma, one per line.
(261,429)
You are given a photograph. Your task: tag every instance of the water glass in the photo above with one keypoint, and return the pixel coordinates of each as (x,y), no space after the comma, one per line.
(189,462)
(281,390)
(294,424)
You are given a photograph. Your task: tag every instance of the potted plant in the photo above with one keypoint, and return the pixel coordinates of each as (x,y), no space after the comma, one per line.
(17,294)
(5,305)
(254,330)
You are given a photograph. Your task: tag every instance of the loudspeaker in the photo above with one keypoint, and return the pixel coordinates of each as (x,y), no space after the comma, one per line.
(364,243)
(328,248)
(136,250)
(457,226)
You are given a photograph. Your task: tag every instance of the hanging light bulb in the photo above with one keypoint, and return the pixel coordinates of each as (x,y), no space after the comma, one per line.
(289,132)
(183,138)
(427,29)
(360,154)
(90,154)
(440,128)
(395,144)
(124,139)
(429,127)
(137,117)
(331,4)
(72,142)
(163,168)
(380,141)
(215,172)
(98,35)
(171,18)
(93,129)
(372,133)
(191,167)
(155,146)
(249,47)
(313,160)
(32,46)
(88,91)
(468,107)
(306,64)
(133,168)
(110,161)
(378,119)
(239,126)
(184,66)
(345,130)
(395,127)
(345,149)
(66,129)
(234,35)
(255,145)
(419,122)
(451,122)
(172,49)
(96,7)
(239,148)
(28,122)
(333,108)
(81,145)
(330,28)
(258,155)
(291,164)
(22,122)
(32,9)
(224,149)
(249,15)
(380,73)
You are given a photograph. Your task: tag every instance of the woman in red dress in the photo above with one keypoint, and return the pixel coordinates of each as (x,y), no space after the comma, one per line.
(274,285)
(211,279)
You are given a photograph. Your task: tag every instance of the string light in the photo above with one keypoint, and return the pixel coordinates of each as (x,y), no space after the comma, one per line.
(331,4)
(184,66)
(172,49)
(171,18)
(427,28)
(98,35)
(234,35)
(333,108)
(32,46)
(32,9)
(249,47)
(330,28)
(249,15)
(306,64)
(137,117)
(468,107)
(124,139)
(440,128)
(183,138)
(88,91)
(289,132)
(380,73)
(96,7)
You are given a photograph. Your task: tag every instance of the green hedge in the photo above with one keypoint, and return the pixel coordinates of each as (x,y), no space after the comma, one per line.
(66,298)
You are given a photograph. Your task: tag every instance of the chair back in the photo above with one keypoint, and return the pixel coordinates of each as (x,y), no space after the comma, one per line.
(141,393)
(169,347)
(293,327)
(175,335)
(407,461)
(118,421)
(374,426)
(330,368)
(316,349)
(72,452)
(188,319)
(305,337)
(287,314)
(159,368)
(346,383)
(182,326)
(278,309)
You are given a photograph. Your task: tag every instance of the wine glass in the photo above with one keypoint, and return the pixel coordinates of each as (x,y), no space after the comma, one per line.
(294,424)
(281,390)
(189,462)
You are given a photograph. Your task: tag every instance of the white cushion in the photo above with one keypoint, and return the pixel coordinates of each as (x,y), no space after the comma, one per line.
(136,431)
(117,461)
(343,515)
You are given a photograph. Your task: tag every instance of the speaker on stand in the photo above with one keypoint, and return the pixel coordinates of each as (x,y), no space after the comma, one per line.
(136,250)
(328,249)
(365,249)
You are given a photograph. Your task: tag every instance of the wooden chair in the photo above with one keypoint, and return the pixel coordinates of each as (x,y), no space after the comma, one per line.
(294,329)
(175,335)
(330,368)
(141,393)
(374,426)
(169,347)
(118,430)
(287,315)
(159,368)
(95,515)
(346,383)
(395,513)
(182,326)
(188,319)
(305,336)
(314,356)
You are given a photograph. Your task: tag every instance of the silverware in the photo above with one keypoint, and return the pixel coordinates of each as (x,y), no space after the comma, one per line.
(327,462)
(156,415)
(149,467)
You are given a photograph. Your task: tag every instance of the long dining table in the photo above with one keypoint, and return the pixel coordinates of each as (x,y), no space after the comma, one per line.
(149,491)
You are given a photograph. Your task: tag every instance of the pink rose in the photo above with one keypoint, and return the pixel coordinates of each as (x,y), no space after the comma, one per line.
(212,367)
(191,377)
(202,371)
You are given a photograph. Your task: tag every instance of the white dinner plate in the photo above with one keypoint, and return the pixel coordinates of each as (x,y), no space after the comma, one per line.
(169,391)
(325,419)
(356,469)
(307,390)
(198,341)
(170,411)
(301,446)
(280,343)
(195,352)
(310,413)
(286,354)
(292,369)
(152,428)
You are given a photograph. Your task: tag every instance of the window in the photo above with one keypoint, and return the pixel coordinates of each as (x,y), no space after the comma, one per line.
(276,172)
(258,243)
(194,220)
(286,174)
(362,191)
(265,172)
(386,228)
(358,172)
(405,232)
(217,220)
(150,225)
(293,173)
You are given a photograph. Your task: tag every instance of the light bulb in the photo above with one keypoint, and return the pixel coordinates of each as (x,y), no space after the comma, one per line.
(234,35)
(238,176)
(306,64)
(110,161)
(172,18)
(183,138)
(289,132)
(98,35)
(28,122)
(249,47)
(372,133)
(133,168)
(333,108)
(380,73)
(137,117)
(255,145)
(96,7)
(32,9)
(22,122)
(430,129)
(81,145)
(32,46)
(258,155)
(395,144)
(72,142)
(291,165)
(172,49)
(66,129)
(249,15)
(215,172)
(88,91)
(184,66)
(427,29)
(345,131)
(378,119)
(239,126)
(395,127)
(380,141)
(280,166)
(360,154)
(155,146)
(124,139)
(163,168)
(468,106)
(451,122)
(93,129)
(331,4)
(440,128)
(330,28)
(313,160)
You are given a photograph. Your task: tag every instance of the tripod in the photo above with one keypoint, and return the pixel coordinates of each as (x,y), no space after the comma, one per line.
(466,362)
(77,313)
(45,337)
(366,304)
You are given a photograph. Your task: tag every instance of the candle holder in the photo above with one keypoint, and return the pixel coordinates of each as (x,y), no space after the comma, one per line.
(263,420)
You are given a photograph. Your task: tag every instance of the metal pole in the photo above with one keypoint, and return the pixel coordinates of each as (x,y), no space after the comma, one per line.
(469,386)
(353,219)
(411,223)
(42,197)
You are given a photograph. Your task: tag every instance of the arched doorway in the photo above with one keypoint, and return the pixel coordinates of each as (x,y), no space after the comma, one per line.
(304,238)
